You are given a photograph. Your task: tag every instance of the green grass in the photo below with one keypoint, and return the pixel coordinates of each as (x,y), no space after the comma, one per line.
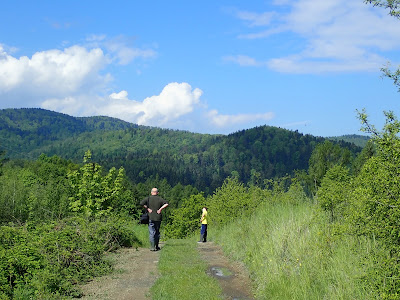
(183,274)
(142,233)
(291,254)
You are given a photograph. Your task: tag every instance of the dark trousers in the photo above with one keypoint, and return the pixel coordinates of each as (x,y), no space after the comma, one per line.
(203,232)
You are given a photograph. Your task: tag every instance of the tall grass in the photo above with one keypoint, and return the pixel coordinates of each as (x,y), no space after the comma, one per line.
(291,253)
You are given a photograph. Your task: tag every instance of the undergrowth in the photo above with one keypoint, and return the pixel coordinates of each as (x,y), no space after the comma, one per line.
(47,261)
(292,253)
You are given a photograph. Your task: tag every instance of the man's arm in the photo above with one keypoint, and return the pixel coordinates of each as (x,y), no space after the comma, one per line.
(162,207)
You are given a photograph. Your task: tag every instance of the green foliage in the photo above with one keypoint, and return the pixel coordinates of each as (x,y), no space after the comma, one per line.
(367,204)
(228,202)
(93,194)
(49,260)
(358,140)
(34,190)
(291,253)
(324,157)
(184,221)
(392,5)
(334,191)
(232,200)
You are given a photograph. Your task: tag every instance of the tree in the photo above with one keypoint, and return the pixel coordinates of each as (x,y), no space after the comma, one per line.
(392,5)
(324,157)
(184,221)
(93,194)
(334,191)
(394,10)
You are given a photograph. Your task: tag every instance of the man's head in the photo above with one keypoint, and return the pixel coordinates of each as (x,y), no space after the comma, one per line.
(154,191)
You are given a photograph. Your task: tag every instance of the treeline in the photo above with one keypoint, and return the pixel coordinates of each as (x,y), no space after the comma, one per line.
(200,160)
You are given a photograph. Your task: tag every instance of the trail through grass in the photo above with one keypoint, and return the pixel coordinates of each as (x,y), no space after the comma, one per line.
(183,274)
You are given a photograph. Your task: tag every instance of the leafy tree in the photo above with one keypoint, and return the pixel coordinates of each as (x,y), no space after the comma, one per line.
(334,191)
(367,152)
(92,193)
(324,157)
(232,200)
(184,221)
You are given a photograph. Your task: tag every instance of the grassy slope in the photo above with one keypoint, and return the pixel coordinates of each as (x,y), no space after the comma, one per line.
(292,254)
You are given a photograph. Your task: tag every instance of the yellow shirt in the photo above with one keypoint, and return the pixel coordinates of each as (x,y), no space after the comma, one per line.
(204,217)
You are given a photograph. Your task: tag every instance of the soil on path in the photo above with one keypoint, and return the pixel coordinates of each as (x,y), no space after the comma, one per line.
(135,272)
(232,276)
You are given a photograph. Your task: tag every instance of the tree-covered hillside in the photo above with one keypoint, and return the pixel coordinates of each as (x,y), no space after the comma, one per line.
(201,160)
(358,140)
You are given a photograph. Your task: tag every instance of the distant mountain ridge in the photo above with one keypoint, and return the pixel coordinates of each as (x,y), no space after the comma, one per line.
(358,140)
(202,160)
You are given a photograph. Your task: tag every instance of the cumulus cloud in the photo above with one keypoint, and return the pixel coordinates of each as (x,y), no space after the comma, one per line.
(333,35)
(51,73)
(174,101)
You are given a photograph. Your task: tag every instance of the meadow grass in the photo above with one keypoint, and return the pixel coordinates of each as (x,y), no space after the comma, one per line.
(291,254)
(183,274)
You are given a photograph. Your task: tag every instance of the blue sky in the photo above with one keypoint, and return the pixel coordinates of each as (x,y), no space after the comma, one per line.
(202,66)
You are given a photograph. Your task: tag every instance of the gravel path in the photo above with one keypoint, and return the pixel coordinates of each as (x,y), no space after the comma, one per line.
(135,272)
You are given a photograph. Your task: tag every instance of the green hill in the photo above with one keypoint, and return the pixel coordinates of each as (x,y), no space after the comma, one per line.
(201,160)
(358,140)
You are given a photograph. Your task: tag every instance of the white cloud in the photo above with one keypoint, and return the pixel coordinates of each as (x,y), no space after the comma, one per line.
(242,60)
(333,35)
(256,19)
(121,48)
(174,101)
(52,73)
(221,120)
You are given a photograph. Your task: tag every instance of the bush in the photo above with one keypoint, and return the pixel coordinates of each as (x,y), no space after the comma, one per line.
(47,261)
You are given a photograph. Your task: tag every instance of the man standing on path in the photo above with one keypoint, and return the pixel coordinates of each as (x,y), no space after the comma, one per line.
(154,205)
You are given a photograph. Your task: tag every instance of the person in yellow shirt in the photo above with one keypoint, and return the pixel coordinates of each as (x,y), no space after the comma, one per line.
(203,221)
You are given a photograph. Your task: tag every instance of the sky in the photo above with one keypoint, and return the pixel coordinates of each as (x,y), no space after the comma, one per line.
(203,66)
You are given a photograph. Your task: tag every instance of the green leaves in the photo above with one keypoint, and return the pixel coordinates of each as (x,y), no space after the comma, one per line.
(50,259)
(93,194)
(186,219)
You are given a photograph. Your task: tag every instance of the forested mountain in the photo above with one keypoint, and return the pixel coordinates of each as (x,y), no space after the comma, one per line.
(358,140)
(201,160)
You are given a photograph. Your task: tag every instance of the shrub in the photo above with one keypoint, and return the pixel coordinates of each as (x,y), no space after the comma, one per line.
(47,261)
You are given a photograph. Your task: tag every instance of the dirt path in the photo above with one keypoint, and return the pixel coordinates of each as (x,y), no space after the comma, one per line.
(232,277)
(135,272)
